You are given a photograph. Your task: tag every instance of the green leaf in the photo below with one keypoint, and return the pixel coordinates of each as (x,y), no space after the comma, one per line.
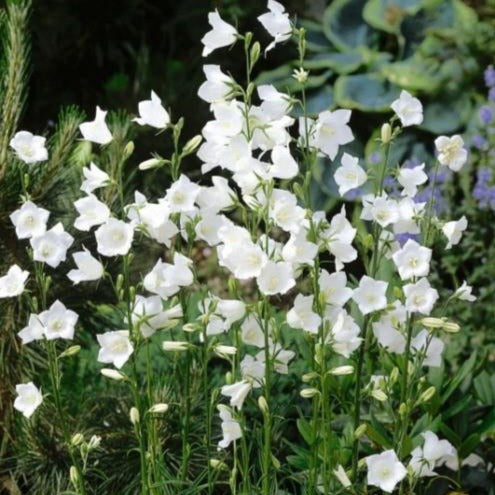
(459,377)
(487,427)
(448,115)
(414,74)
(484,384)
(342,63)
(305,429)
(317,100)
(344,25)
(471,442)
(388,15)
(316,41)
(366,92)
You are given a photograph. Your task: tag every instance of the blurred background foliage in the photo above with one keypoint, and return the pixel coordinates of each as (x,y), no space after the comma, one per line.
(360,53)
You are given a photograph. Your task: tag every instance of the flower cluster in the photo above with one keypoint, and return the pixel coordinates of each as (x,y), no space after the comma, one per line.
(252,210)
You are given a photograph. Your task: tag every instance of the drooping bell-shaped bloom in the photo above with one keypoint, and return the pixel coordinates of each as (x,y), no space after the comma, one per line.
(97,130)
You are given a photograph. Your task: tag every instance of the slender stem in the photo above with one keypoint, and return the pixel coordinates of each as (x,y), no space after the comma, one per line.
(207,408)
(267,427)
(431,203)
(373,269)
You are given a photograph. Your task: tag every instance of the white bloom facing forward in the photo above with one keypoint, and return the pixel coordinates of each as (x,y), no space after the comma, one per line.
(420,297)
(284,165)
(88,268)
(152,113)
(51,247)
(411,178)
(58,322)
(182,194)
(276,278)
(29,220)
(451,152)
(332,131)
(28,398)
(97,130)
(408,109)
(13,282)
(91,211)
(453,231)
(29,148)
(412,260)
(370,295)
(94,178)
(349,175)
(385,470)
(114,237)
(277,23)
(115,346)
(222,34)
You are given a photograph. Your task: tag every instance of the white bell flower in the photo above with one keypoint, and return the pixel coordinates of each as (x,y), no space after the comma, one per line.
(451,152)
(277,23)
(370,295)
(13,282)
(464,293)
(33,331)
(114,237)
(97,130)
(152,113)
(51,247)
(333,287)
(88,268)
(274,103)
(302,316)
(222,34)
(411,178)
(284,166)
(412,260)
(231,429)
(344,335)
(237,392)
(453,231)
(349,175)
(181,195)
(58,322)
(91,211)
(420,297)
(331,132)
(408,109)
(29,148)
(434,351)
(385,470)
(115,347)
(28,398)
(29,220)
(217,85)
(252,333)
(94,178)
(298,250)
(276,278)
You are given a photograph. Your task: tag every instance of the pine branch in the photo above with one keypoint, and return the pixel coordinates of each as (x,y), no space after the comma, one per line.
(15,67)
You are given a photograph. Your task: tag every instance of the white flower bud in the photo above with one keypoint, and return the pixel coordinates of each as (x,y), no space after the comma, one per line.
(158,408)
(77,439)
(307,393)
(134,415)
(113,374)
(342,370)
(386,133)
(175,345)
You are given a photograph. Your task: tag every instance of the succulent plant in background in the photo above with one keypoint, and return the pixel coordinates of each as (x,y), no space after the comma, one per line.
(364,52)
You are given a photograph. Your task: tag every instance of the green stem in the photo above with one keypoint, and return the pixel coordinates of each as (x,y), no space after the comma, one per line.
(267,426)
(207,409)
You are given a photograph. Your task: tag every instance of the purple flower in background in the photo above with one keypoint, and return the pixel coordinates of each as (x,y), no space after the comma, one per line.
(483,192)
(490,76)
(375,157)
(353,194)
(440,204)
(486,114)
(491,94)
(403,238)
(479,142)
